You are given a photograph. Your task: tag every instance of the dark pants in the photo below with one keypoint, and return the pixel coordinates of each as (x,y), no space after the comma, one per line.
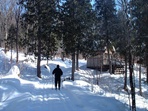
(57,82)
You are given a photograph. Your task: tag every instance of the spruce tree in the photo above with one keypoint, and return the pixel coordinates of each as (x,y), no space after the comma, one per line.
(40,19)
(122,36)
(75,18)
(106,14)
(140,19)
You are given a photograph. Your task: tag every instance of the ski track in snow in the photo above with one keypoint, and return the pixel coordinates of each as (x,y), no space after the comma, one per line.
(40,93)
(66,102)
(29,93)
(66,99)
(56,99)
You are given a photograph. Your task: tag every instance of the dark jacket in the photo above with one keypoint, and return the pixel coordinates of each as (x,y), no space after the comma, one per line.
(57,72)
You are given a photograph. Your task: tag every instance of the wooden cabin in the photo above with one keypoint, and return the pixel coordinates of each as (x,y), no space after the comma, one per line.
(100,61)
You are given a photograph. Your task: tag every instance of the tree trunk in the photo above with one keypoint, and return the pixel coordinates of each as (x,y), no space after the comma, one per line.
(147,73)
(131,82)
(147,62)
(17,18)
(6,35)
(73,66)
(125,77)
(11,47)
(77,60)
(109,58)
(107,40)
(5,45)
(39,43)
(140,90)
(39,55)
(17,30)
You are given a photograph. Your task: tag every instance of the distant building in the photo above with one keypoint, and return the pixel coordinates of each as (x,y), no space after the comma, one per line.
(101,61)
(98,61)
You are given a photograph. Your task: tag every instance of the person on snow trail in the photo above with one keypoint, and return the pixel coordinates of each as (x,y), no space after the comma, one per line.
(57,72)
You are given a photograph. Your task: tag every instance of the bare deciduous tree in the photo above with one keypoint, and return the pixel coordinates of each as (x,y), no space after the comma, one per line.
(6,19)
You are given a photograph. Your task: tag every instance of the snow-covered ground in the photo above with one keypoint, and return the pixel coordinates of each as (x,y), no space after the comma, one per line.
(29,93)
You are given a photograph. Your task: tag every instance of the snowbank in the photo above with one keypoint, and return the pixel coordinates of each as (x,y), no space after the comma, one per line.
(14,71)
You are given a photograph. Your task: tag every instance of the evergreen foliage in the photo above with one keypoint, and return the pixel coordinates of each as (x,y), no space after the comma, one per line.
(106,14)
(11,37)
(77,20)
(140,21)
(40,18)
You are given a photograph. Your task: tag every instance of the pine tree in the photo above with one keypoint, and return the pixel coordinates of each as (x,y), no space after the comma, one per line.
(122,35)
(140,12)
(50,39)
(75,18)
(106,14)
(40,19)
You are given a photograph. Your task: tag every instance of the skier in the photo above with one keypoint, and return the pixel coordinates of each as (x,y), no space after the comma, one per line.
(57,72)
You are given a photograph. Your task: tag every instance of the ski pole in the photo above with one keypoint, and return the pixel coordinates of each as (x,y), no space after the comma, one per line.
(62,82)
(52,81)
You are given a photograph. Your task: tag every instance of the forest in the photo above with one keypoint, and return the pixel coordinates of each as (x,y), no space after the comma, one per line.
(41,27)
